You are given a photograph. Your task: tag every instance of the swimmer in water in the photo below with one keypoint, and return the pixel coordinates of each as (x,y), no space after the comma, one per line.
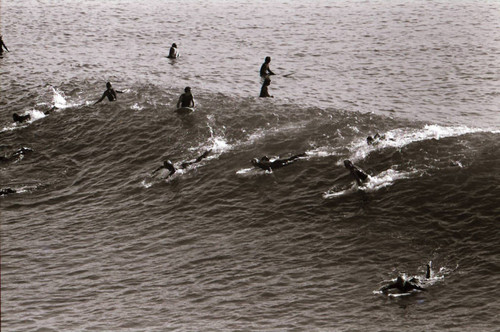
(186,99)
(21,118)
(263,91)
(405,286)
(269,165)
(6,191)
(167,164)
(18,153)
(264,69)
(402,285)
(110,93)
(375,139)
(172,54)
(359,175)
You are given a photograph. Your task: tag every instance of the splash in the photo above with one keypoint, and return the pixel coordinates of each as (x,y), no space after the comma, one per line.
(398,138)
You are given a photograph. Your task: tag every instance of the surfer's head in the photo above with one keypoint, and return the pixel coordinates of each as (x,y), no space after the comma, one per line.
(348,164)
(174,45)
(369,140)
(268,59)
(108,85)
(255,161)
(187,89)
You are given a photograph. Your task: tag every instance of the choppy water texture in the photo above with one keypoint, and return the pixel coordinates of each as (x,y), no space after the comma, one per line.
(92,242)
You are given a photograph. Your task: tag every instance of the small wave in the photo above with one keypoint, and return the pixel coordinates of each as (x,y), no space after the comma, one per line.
(398,138)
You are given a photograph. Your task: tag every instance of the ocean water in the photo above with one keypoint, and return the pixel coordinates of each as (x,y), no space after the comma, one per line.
(91,241)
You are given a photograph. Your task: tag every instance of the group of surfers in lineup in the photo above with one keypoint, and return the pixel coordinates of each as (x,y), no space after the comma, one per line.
(186,100)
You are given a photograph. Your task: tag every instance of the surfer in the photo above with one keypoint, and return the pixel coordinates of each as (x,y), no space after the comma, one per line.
(266,164)
(110,93)
(167,164)
(263,91)
(375,139)
(186,99)
(405,286)
(264,69)
(2,45)
(19,152)
(6,191)
(21,118)
(172,54)
(356,172)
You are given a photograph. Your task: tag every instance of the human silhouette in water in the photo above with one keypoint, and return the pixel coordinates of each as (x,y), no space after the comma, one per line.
(375,139)
(186,99)
(359,175)
(266,164)
(2,45)
(168,165)
(21,118)
(16,154)
(265,71)
(263,90)
(406,286)
(110,93)
(173,53)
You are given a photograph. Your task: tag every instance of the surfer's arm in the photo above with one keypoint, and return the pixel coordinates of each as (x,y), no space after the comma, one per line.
(386,288)
(156,170)
(5,46)
(102,98)
(179,101)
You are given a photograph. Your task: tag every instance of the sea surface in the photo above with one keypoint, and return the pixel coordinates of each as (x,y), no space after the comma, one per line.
(93,241)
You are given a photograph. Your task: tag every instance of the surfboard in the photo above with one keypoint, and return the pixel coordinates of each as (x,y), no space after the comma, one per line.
(185,110)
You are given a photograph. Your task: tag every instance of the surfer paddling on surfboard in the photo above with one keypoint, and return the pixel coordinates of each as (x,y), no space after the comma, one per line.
(406,286)
(168,165)
(186,99)
(266,164)
(356,172)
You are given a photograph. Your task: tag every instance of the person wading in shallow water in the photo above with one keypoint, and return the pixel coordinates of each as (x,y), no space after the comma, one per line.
(186,99)
(264,69)
(263,91)
(110,93)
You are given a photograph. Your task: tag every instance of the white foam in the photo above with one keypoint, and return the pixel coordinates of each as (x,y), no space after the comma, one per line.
(398,138)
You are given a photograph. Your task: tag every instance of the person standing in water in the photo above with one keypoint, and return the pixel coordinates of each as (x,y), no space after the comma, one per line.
(110,93)
(264,69)
(2,45)
(264,93)
(186,99)
(173,53)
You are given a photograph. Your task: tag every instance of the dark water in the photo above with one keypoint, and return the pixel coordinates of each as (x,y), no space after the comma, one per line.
(93,242)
